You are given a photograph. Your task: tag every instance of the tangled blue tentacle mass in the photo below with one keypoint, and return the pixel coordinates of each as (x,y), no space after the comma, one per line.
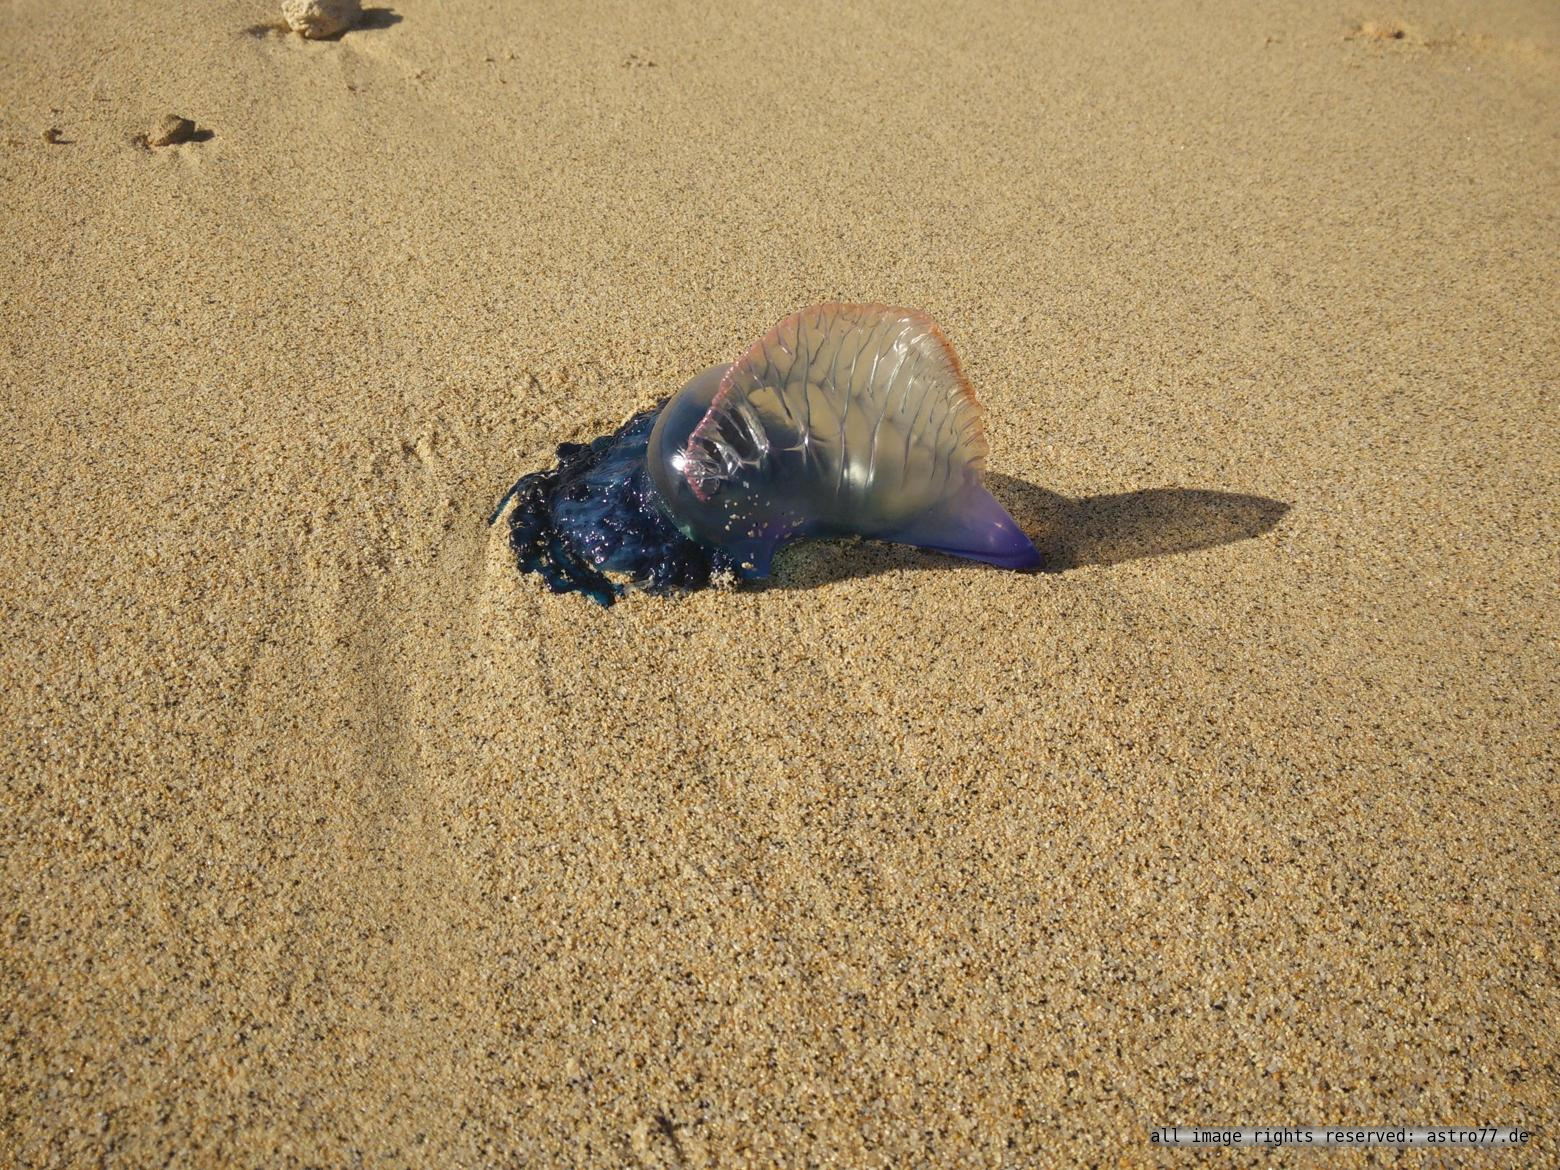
(597,513)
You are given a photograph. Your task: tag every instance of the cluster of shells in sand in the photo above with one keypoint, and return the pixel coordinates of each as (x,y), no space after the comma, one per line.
(314,19)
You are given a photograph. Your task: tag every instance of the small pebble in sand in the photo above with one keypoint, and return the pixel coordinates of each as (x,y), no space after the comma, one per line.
(1379,30)
(321,18)
(170,131)
(54,136)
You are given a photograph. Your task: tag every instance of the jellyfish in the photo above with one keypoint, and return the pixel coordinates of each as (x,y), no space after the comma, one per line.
(842,420)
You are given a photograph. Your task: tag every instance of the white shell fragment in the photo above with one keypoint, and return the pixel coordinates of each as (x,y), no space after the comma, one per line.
(321,18)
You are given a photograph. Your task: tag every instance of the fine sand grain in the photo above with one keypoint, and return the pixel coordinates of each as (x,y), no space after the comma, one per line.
(328,840)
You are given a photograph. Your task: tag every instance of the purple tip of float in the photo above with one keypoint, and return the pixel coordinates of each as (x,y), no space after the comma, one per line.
(971,524)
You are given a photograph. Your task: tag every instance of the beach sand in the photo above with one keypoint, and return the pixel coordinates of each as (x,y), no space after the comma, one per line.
(330,840)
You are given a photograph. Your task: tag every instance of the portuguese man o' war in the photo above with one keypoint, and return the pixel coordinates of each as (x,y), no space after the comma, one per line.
(842,420)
